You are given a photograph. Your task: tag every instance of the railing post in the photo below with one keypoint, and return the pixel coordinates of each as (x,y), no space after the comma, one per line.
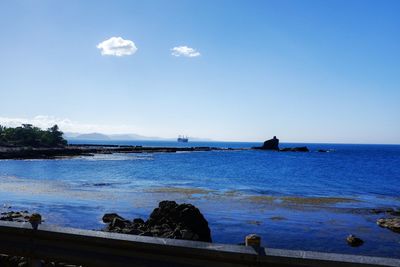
(35,219)
(253,240)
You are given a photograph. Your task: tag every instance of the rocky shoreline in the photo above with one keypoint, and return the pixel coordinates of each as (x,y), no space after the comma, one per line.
(89,150)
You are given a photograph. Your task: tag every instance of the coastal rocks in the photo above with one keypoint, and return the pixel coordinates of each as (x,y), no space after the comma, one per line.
(271,144)
(15,216)
(169,220)
(354,241)
(295,149)
(109,217)
(390,223)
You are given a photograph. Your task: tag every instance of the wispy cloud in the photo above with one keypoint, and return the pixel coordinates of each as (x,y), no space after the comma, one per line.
(117,46)
(68,125)
(184,51)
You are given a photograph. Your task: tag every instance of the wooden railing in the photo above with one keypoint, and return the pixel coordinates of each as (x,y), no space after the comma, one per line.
(95,248)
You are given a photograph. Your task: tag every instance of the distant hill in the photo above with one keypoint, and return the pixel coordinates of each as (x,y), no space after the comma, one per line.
(91,136)
(107,137)
(128,137)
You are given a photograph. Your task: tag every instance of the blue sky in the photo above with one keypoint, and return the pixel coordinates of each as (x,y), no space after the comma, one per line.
(306,71)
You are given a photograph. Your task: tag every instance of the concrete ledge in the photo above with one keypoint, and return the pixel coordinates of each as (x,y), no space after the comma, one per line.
(95,248)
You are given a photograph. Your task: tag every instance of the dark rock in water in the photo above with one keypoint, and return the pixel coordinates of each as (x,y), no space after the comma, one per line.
(169,220)
(271,144)
(354,241)
(301,149)
(15,216)
(390,223)
(295,149)
(322,150)
(109,217)
(102,184)
(184,216)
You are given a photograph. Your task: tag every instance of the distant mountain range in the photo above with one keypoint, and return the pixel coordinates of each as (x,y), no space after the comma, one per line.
(127,137)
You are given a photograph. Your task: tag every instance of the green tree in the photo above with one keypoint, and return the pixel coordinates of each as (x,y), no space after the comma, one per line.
(28,135)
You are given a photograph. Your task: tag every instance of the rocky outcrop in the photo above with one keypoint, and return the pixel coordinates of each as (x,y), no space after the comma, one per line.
(295,149)
(169,220)
(15,216)
(354,241)
(271,144)
(390,223)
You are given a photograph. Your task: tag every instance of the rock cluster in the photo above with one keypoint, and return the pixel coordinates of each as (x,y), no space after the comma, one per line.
(273,144)
(169,220)
(390,223)
(15,216)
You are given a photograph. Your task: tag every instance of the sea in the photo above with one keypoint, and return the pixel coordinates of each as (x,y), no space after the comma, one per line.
(293,200)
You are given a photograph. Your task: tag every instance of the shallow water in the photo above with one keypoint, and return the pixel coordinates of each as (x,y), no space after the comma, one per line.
(308,201)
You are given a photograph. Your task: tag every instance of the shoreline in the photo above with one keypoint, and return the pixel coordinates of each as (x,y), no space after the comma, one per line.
(92,149)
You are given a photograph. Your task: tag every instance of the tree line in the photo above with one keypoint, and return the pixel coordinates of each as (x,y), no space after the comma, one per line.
(29,135)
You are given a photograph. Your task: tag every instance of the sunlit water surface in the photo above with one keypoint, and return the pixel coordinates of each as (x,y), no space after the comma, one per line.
(308,201)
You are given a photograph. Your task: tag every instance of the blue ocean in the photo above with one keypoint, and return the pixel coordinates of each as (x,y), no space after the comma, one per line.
(293,200)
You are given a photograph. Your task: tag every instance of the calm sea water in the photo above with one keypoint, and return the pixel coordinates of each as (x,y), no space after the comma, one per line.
(309,201)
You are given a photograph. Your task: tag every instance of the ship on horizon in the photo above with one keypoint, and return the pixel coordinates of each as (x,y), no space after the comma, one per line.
(183,139)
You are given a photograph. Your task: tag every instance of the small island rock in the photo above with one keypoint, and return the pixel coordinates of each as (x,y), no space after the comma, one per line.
(354,241)
(271,144)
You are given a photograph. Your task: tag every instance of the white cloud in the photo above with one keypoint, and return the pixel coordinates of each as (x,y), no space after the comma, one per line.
(184,51)
(67,125)
(117,46)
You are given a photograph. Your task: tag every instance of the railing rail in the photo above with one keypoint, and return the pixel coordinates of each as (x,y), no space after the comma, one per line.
(95,248)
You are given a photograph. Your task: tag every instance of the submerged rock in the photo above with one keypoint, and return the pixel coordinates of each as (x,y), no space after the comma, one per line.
(354,241)
(390,223)
(169,220)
